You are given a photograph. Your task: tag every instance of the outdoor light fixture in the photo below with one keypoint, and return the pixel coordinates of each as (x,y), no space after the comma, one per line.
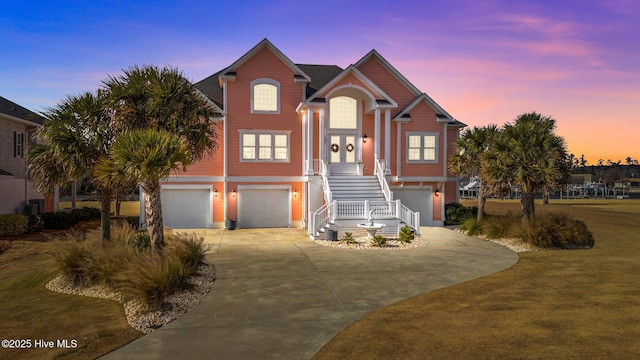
(295,192)
(364,138)
(233,192)
(437,192)
(215,192)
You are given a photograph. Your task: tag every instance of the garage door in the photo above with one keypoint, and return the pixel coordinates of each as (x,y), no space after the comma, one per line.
(263,208)
(186,208)
(417,200)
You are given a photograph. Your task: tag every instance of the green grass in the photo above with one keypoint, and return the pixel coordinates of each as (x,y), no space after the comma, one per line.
(556,304)
(29,311)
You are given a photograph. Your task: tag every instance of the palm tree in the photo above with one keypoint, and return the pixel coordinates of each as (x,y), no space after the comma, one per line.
(75,136)
(528,154)
(468,159)
(150,97)
(148,156)
(165,101)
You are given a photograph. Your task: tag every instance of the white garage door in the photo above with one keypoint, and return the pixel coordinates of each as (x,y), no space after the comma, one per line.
(263,208)
(186,208)
(417,200)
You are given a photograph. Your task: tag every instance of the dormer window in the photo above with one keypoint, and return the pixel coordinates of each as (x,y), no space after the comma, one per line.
(265,96)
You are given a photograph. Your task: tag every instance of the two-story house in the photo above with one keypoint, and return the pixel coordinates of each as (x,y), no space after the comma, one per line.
(17,125)
(314,145)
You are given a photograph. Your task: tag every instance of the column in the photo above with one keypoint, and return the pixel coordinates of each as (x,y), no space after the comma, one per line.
(321,134)
(376,140)
(387,141)
(310,141)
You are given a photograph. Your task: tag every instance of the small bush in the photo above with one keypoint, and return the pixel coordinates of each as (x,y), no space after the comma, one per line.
(13,224)
(348,238)
(153,277)
(188,249)
(62,220)
(379,241)
(556,230)
(406,235)
(501,226)
(456,213)
(471,226)
(35,223)
(76,260)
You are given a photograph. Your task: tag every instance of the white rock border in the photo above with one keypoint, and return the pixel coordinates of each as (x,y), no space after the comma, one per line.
(364,243)
(137,313)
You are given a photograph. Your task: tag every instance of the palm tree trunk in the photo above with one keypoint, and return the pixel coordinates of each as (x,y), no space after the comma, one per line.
(528,210)
(545,198)
(482,200)
(153,208)
(105,215)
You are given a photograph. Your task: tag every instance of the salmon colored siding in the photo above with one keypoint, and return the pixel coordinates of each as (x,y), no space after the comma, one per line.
(210,165)
(224,169)
(264,64)
(374,71)
(423,119)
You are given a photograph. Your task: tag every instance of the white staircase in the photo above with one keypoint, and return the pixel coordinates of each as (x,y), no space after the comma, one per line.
(355,187)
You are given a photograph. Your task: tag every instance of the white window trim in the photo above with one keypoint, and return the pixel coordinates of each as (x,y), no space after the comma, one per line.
(257,145)
(422,134)
(270,82)
(18,144)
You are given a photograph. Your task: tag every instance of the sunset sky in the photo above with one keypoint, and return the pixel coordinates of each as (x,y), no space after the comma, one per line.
(483,61)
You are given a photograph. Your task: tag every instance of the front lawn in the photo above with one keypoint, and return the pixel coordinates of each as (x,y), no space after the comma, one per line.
(30,312)
(554,304)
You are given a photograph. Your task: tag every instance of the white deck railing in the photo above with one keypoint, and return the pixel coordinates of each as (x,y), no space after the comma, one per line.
(361,210)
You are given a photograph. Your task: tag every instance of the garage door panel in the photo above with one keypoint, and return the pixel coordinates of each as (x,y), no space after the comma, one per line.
(417,200)
(186,208)
(263,208)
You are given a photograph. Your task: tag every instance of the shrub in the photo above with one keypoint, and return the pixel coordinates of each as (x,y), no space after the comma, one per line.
(556,230)
(62,220)
(406,234)
(153,277)
(379,241)
(34,223)
(471,226)
(76,260)
(501,226)
(13,224)
(348,238)
(140,240)
(189,249)
(456,213)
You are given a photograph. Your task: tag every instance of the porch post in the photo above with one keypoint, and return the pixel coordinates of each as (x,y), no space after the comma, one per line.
(321,134)
(376,142)
(387,141)
(309,142)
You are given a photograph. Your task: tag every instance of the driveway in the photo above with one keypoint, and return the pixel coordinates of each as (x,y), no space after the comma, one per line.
(279,295)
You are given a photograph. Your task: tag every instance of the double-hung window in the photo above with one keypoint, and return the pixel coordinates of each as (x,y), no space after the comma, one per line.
(422,147)
(264,146)
(18,144)
(265,96)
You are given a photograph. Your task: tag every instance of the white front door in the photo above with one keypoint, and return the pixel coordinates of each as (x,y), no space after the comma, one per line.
(343,154)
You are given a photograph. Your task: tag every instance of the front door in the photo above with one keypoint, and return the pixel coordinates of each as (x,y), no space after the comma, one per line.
(343,154)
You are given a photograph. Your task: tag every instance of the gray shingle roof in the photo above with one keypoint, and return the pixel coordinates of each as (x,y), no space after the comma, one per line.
(12,109)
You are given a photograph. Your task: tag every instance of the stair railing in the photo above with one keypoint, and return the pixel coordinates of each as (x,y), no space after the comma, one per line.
(380,166)
(319,218)
(325,183)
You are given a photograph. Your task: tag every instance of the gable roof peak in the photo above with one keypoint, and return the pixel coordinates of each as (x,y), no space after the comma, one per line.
(229,72)
(387,65)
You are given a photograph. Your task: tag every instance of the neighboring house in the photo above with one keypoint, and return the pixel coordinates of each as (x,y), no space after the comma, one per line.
(17,125)
(315,146)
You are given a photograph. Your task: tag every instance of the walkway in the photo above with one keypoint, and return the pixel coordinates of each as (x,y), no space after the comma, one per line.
(278,295)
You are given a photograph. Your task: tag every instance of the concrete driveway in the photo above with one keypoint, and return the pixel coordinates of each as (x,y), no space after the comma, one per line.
(279,295)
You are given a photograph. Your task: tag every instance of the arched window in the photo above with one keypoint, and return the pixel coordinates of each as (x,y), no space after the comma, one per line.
(343,113)
(265,96)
